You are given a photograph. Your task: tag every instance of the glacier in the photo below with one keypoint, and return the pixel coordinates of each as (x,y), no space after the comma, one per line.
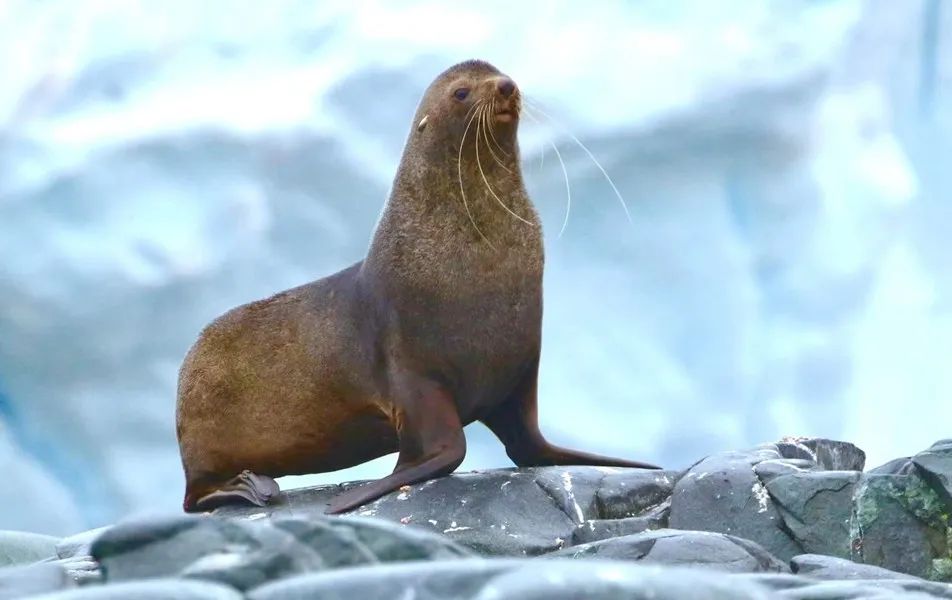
(785,271)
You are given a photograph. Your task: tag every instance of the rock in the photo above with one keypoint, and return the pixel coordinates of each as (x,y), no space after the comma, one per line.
(682,548)
(818,566)
(23,580)
(723,494)
(776,581)
(441,579)
(795,587)
(788,497)
(897,466)
(510,579)
(815,507)
(935,466)
(901,523)
(154,589)
(827,455)
(768,470)
(246,554)
(600,529)
(79,544)
(632,493)
(495,513)
(881,589)
(832,455)
(82,570)
(505,512)
(574,490)
(19,547)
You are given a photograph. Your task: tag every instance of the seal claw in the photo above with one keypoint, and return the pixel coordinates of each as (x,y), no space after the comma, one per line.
(246,487)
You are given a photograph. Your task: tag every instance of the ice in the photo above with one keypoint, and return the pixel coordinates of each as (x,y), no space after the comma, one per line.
(785,165)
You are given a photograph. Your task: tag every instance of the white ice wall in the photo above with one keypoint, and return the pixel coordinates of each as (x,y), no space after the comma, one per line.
(785,164)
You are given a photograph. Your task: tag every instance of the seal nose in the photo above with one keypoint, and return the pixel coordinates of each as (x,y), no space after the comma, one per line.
(506,87)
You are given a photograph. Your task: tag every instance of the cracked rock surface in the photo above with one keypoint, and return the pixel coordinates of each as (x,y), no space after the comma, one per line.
(795,519)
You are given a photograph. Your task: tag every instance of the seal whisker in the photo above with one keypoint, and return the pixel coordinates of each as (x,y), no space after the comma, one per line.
(568,190)
(565,174)
(487,127)
(486,181)
(618,195)
(459,171)
(493,134)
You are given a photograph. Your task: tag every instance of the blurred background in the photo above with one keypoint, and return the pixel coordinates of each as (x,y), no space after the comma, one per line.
(787,165)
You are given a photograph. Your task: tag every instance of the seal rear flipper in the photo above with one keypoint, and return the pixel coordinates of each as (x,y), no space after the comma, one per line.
(246,487)
(516,424)
(432,444)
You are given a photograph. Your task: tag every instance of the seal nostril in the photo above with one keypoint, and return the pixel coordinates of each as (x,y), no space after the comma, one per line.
(506,87)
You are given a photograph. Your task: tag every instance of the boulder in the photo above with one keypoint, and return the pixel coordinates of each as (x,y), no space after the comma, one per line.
(700,549)
(815,507)
(723,494)
(24,580)
(788,497)
(504,512)
(819,566)
(935,466)
(511,579)
(154,589)
(20,547)
(901,523)
(246,554)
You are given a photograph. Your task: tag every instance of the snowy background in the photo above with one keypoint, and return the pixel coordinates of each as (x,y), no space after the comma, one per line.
(788,167)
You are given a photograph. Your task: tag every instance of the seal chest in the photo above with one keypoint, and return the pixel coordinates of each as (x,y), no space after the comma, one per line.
(438,326)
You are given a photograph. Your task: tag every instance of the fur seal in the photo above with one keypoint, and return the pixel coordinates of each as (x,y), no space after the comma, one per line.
(439,326)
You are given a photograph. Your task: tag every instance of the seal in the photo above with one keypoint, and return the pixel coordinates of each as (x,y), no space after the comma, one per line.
(439,326)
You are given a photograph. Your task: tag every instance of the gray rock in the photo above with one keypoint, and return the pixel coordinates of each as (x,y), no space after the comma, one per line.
(79,544)
(897,466)
(882,589)
(776,581)
(81,570)
(768,470)
(807,588)
(155,589)
(818,566)
(506,512)
(600,529)
(815,507)
(573,490)
(509,579)
(165,547)
(19,547)
(631,493)
(832,455)
(935,465)
(723,494)
(432,581)
(495,513)
(246,554)
(900,523)
(700,549)
(23,580)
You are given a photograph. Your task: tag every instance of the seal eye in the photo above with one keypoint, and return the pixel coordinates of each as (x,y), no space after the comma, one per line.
(461,94)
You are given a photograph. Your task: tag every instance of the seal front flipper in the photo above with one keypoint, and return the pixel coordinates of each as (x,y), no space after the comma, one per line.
(431,441)
(516,424)
(245,487)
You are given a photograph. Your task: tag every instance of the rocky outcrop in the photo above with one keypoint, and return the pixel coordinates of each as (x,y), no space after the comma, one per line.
(794,519)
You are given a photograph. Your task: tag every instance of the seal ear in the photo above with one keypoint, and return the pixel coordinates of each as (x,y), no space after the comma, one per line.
(422,124)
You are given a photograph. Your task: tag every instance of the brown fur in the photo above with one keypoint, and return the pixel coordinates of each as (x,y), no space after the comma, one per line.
(438,326)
